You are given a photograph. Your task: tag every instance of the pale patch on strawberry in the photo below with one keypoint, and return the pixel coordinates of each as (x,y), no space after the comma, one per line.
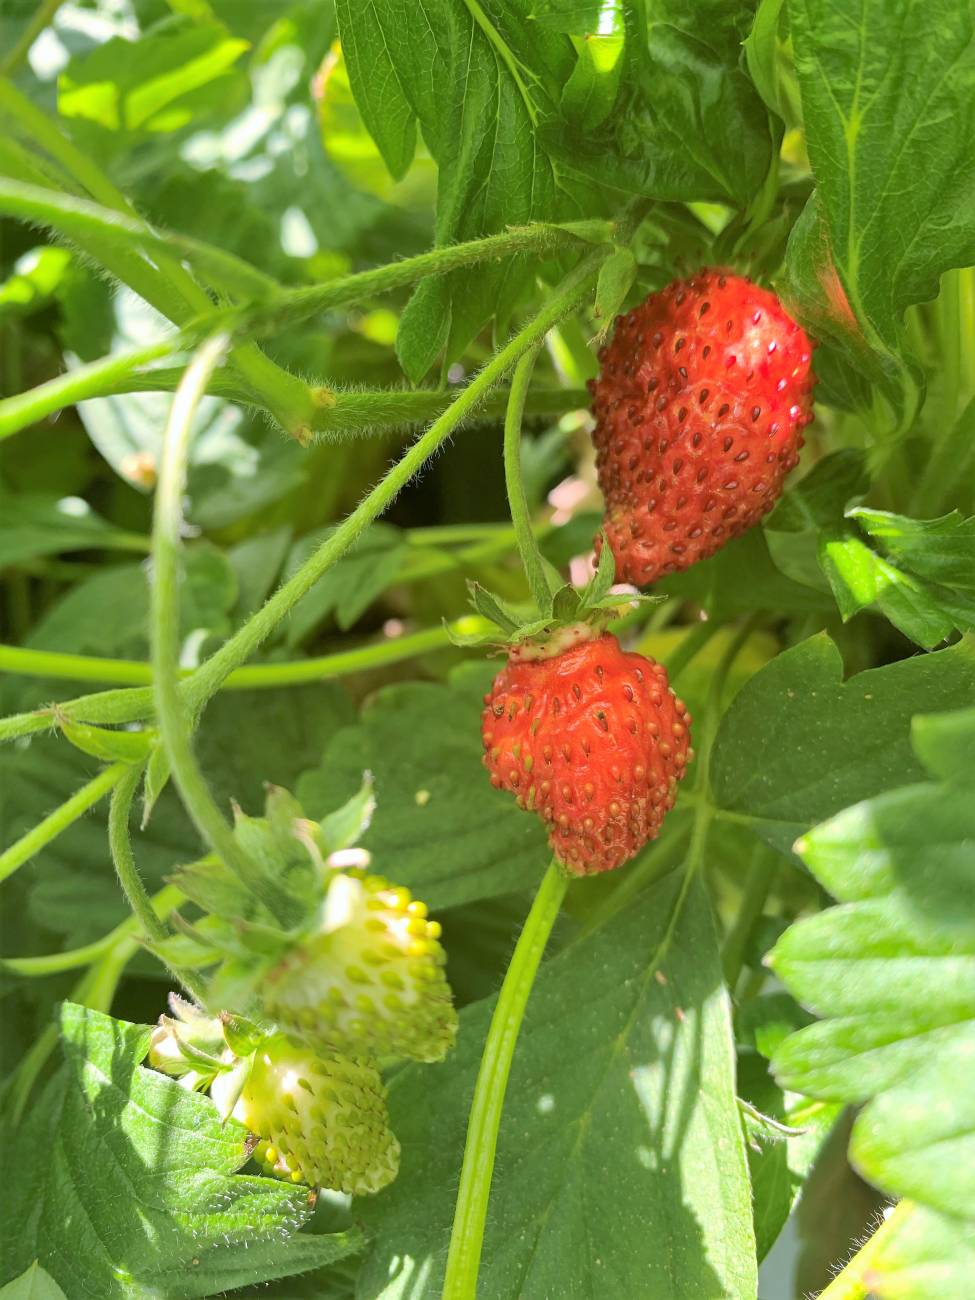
(321,1117)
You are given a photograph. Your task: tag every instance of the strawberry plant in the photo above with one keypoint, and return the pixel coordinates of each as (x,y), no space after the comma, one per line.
(488,560)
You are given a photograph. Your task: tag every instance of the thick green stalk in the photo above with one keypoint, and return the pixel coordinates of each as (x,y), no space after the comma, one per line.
(467,1235)
(79,218)
(120,846)
(531,556)
(173,716)
(209,677)
(39,836)
(123,857)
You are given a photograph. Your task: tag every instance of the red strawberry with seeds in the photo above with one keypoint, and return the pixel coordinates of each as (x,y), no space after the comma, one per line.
(592,738)
(700,404)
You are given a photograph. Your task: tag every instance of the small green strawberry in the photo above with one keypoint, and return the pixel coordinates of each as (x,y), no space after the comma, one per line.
(372,978)
(322,1118)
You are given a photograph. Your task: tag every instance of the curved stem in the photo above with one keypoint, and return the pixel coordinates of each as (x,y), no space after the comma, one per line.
(467,1236)
(55,963)
(120,846)
(64,816)
(209,677)
(531,556)
(693,643)
(171,712)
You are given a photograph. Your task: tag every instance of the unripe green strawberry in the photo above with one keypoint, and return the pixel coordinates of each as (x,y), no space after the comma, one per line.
(322,1117)
(372,979)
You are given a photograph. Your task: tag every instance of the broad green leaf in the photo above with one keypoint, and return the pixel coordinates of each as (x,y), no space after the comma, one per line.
(616,276)
(941,551)
(821,496)
(889,115)
(34,1284)
(921,576)
(32,525)
(892,971)
(108,613)
(743,577)
(137,1192)
(945,743)
(249,739)
(688,122)
(477,79)
(157,83)
(620,1164)
(439,827)
(798,743)
(424,327)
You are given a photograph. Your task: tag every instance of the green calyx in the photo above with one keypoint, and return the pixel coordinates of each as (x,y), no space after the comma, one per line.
(363,971)
(371,978)
(568,616)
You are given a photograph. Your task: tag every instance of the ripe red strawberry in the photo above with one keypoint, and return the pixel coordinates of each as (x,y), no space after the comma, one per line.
(592,738)
(700,404)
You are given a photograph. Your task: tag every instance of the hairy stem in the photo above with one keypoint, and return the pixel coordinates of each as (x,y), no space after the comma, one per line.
(173,716)
(467,1235)
(39,836)
(209,677)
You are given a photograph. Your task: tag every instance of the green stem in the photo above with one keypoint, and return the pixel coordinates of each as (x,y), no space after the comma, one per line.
(531,556)
(171,712)
(78,218)
(120,846)
(132,672)
(164,282)
(245,641)
(858,1280)
(299,304)
(467,1236)
(42,17)
(92,380)
(55,963)
(39,836)
(757,883)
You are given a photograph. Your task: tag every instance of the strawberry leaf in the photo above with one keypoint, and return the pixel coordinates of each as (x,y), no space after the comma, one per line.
(150,1175)
(589,1132)
(891,970)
